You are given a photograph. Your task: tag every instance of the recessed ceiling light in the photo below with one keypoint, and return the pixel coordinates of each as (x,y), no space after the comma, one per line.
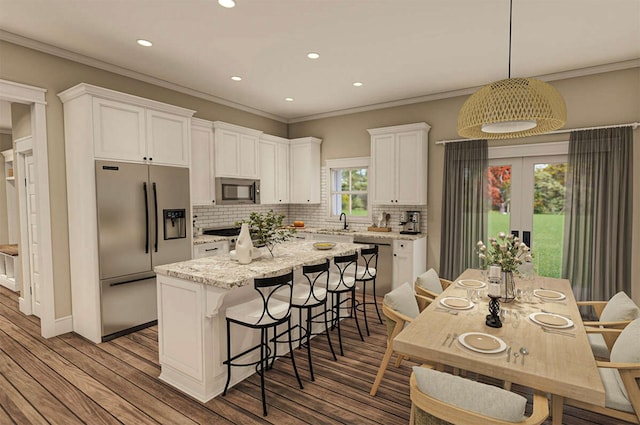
(227,3)
(145,43)
(357,84)
(236,78)
(288,99)
(313,55)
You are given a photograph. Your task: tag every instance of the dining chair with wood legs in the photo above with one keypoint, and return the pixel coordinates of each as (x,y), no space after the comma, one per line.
(399,307)
(620,377)
(441,398)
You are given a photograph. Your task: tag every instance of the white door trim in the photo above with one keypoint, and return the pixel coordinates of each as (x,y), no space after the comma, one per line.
(35,97)
(24,147)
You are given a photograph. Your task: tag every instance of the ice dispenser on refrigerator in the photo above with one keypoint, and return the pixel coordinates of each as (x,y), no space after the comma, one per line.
(175,225)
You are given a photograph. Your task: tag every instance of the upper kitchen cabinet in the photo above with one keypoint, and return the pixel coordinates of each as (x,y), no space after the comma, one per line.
(202,155)
(236,151)
(274,169)
(305,170)
(129,128)
(399,164)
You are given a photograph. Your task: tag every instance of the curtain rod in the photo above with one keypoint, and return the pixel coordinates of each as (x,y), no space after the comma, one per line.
(568,130)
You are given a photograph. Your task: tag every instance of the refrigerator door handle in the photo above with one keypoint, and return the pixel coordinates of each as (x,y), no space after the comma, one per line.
(155,206)
(146,218)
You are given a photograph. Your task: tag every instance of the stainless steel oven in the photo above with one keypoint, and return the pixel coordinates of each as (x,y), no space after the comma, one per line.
(230,191)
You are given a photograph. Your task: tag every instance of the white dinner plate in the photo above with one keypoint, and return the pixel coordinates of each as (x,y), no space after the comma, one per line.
(456,303)
(548,294)
(551,320)
(470,283)
(482,343)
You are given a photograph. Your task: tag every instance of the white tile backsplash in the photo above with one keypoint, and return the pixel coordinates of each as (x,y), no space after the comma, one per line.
(314,215)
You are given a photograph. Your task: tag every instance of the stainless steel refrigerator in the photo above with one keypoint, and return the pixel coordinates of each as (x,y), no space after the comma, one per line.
(142,223)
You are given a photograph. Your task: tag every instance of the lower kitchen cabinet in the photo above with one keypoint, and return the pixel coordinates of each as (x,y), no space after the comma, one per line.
(210,249)
(409,260)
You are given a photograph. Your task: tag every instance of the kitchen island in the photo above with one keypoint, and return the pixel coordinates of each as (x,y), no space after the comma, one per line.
(192,299)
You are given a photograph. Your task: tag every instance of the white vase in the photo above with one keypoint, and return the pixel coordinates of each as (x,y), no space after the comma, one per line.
(244,245)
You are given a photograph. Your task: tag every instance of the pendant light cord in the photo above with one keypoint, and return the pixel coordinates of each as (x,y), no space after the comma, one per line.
(510,24)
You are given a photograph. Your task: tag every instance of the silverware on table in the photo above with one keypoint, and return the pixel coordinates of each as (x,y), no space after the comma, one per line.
(557,332)
(553,312)
(509,354)
(445,340)
(524,352)
(455,335)
(446,310)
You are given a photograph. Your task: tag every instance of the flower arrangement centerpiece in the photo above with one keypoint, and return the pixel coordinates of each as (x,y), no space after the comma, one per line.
(506,251)
(267,229)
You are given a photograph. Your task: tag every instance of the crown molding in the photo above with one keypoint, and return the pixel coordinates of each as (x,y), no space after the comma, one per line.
(86,60)
(96,63)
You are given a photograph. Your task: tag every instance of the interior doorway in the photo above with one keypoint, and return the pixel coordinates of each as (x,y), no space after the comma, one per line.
(526,192)
(34,97)
(28,206)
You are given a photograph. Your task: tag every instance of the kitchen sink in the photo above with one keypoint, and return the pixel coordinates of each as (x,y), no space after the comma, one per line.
(337,230)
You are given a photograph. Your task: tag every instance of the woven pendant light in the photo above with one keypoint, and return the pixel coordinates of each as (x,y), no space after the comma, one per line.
(511,108)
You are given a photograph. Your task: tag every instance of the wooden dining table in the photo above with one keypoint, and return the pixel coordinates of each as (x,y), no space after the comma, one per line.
(557,363)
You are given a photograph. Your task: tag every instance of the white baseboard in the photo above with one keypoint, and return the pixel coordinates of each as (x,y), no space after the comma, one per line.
(63,325)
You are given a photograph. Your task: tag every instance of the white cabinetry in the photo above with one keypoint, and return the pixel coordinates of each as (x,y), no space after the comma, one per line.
(101,123)
(236,151)
(210,249)
(203,188)
(305,170)
(274,170)
(409,260)
(129,128)
(399,164)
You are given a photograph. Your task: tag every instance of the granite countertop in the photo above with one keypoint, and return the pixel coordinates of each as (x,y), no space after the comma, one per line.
(202,239)
(361,233)
(222,272)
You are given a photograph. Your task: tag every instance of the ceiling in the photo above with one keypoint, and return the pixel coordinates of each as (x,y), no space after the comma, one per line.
(398,49)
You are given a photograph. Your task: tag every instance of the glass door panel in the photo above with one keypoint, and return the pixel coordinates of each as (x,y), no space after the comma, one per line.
(526,197)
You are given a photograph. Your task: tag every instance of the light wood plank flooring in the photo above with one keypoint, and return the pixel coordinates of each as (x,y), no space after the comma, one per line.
(68,380)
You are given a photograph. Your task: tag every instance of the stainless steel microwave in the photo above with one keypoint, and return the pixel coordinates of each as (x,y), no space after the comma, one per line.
(230,191)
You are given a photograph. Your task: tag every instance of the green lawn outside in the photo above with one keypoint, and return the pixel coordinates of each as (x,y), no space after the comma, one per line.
(548,231)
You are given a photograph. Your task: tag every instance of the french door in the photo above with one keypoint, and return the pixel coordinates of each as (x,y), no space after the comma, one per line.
(526,189)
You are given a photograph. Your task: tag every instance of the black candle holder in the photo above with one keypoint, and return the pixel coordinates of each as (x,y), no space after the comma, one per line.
(493,318)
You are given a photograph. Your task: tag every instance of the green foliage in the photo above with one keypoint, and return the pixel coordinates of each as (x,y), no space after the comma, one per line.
(549,189)
(267,229)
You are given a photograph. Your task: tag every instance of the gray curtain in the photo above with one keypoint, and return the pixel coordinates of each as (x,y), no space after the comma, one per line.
(464,218)
(598,216)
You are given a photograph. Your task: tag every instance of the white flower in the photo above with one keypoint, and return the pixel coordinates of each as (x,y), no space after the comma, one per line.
(479,244)
(502,235)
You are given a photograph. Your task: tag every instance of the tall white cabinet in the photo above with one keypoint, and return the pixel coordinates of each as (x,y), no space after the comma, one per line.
(274,169)
(305,170)
(203,188)
(399,157)
(105,124)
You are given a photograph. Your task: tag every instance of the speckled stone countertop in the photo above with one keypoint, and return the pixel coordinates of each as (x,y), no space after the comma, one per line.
(222,272)
(361,233)
(202,239)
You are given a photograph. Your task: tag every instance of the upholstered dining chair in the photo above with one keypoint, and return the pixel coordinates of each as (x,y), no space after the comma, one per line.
(439,398)
(429,284)
(399,307)
(616,313)
(620,376)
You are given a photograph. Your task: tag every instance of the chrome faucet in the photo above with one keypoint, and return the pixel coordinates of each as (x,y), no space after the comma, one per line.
(345,220)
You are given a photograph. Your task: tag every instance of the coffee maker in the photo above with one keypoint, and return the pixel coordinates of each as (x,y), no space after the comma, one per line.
(410,221)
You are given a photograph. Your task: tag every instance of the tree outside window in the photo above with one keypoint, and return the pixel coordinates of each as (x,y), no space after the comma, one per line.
(349,191)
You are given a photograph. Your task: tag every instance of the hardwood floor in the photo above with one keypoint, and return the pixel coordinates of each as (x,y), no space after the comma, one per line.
(69,380)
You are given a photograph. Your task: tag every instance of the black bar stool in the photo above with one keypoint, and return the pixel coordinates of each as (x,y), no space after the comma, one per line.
(262,313)
(365,275)
(309,293)
(344,282)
